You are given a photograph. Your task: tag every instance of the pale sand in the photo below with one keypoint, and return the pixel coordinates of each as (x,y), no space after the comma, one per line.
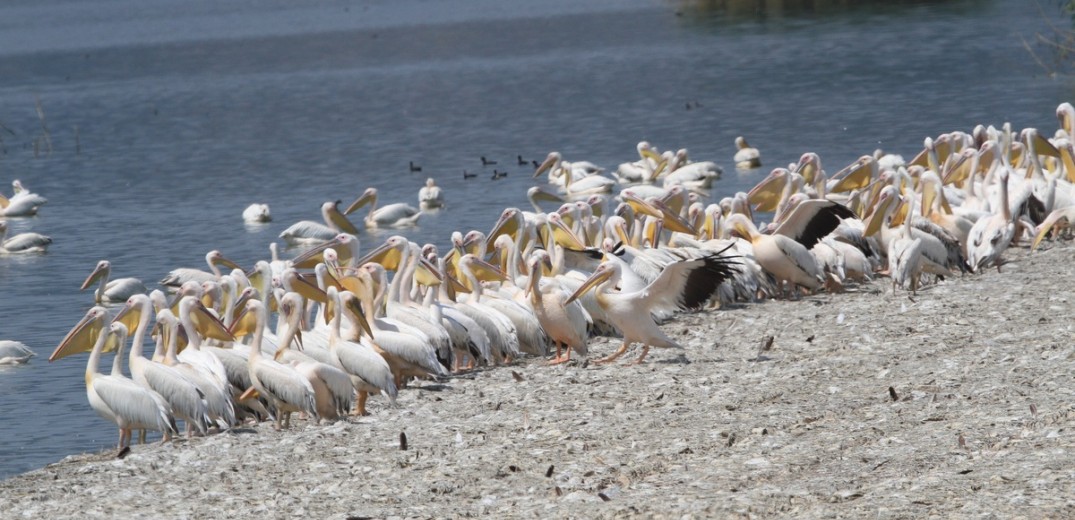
(809,429)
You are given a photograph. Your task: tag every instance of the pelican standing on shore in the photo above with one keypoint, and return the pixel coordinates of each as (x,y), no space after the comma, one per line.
(686,284)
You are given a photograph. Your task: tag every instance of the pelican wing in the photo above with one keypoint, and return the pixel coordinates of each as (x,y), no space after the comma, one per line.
(688,284)
(134,406)
(308,230)
(337,381)
(181,393)
(812,220)
(286,385)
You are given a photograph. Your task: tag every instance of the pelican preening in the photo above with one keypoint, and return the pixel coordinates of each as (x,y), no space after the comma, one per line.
(22,202)
(553,278)
(430,196)
(746,157)
(257,214)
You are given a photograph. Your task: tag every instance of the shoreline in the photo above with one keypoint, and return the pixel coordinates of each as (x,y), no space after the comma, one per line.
(954,402)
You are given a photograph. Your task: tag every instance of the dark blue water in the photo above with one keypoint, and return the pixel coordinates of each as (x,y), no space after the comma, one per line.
(186,112)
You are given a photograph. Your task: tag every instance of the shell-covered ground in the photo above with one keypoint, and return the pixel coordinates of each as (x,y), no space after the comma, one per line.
(954,402)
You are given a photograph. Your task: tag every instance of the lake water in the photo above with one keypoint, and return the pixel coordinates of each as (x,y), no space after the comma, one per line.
(167,119)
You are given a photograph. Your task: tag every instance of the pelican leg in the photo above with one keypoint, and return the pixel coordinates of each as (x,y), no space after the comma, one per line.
(141,437)
(120,445)
(645,350)
(559,359)
(615,355)
(360,403)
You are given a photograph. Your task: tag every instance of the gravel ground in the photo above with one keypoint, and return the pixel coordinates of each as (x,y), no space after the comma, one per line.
(954,403)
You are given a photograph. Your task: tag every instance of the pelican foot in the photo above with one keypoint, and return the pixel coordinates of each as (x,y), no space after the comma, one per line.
(559,360)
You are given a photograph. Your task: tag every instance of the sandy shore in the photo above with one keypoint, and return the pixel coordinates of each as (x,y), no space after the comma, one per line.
(956,403)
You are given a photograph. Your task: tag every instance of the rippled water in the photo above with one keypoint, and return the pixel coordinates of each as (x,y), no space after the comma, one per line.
(187,112)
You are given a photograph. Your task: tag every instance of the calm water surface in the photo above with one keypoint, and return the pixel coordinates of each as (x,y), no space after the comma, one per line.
(187,112)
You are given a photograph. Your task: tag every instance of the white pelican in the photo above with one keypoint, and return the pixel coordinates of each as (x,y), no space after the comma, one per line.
(333,390)
(746,157)
(905,256)
(430,196)
(408,351)
(112,291)
(356,358)
(685,284)
(14,352)
(22,204)
(786,253)
(114,397)
(691,175)
(192,313)
(257,213)
(217,396)
(23,242)
(308,231)
(214,258)
(181,393)
(282,385)
(391,215)
(564,323)
(642,170)
(561,172)
(992,234)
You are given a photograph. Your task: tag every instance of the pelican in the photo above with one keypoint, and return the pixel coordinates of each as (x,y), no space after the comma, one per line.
(642,170)
(588,185)
(686,284)
(333,390)
(356,358)
(182,395)
(14,353)
(391,215)
(282,385)
(257,214)
(992,234)
(564,323)
(786,253)
(561,172)
(217,396)
(308,231)
(112,291)
(409,354)
(691,175)
(746,157)
(22,243)
(430,196)
(22,204)
(214,258)
(114,397)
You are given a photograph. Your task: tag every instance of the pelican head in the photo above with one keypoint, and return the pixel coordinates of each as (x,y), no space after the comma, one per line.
(608,271)
(367,197)
(509,223)
(551,160)
(82,337)
(102,270)
(217,258)
(389,254)
(132,311)
(345,244)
